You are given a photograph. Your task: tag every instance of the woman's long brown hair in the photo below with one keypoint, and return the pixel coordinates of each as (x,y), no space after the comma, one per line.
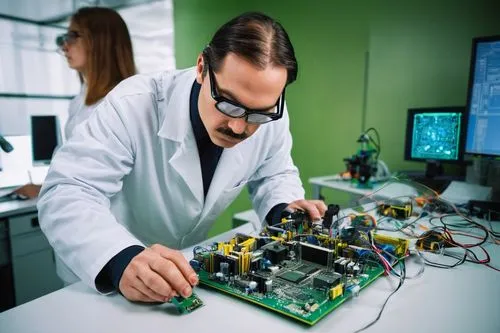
(109,50)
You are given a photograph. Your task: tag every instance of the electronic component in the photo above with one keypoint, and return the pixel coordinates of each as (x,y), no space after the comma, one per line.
(326,281)
(432,241)
(276,253)
(187,305)
(268,286)
(340,265)
(349,234)
(306,269)
(400,245)
(316,254)
(195,264)
(397,210)
(298,269)
(336,291)
(331,212)
(362,221)
(224,268)
(354,290)
(364,164)
(293,276)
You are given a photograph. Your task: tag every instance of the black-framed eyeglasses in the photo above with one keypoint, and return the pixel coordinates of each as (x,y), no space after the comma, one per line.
(70,37)
(236,110)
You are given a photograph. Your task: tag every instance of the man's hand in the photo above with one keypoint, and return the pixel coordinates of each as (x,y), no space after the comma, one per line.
(315,208)
(156,275)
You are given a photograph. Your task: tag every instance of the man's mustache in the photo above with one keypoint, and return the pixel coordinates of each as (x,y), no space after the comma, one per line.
(230,133)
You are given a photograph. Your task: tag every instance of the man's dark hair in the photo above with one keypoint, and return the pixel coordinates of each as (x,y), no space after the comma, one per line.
(256,37)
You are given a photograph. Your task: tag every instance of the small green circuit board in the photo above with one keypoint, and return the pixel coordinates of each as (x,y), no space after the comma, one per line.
(187,305)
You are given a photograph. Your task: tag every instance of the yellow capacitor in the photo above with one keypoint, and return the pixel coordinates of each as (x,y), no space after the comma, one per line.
(227,249)
(336,291)
(248,245)
(211,268)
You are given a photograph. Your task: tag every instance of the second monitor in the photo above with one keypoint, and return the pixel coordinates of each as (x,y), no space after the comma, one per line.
(45,137)
(435,135)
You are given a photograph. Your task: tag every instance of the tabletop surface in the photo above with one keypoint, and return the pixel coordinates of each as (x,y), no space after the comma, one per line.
(386,189)
(16,207)
(463,299)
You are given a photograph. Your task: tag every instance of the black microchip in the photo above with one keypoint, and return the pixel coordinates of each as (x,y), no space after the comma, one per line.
(315,254)
(293,276)
(326,282)
(306,269)
(276,254)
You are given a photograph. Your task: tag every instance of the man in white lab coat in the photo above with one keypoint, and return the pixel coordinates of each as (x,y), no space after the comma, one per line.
(164,154)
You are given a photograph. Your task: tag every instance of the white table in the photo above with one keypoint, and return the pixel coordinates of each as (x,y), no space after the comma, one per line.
(465,299)
(384,190)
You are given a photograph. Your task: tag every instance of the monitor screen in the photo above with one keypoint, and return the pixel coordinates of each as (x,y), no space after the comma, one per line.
(483,99)
(44,138)
(435,134)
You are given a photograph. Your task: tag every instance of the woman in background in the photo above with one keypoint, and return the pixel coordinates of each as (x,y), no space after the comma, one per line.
(98,46)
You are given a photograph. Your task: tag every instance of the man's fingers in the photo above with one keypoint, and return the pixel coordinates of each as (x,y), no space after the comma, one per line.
(315,208)
(170,272)
(133,294)
(178,259)
(155,282)
(320,204)
(144,289)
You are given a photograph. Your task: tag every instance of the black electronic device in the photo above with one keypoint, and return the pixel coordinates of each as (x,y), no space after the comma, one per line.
(363,165)
(484,209)
(45,137)
(435,135)
(5,145)
(483,98)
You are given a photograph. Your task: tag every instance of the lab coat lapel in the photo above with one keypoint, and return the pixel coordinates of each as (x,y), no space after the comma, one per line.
(177,128)
(186,162)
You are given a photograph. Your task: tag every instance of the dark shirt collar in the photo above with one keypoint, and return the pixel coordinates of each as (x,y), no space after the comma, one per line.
(200,132)
(208,152)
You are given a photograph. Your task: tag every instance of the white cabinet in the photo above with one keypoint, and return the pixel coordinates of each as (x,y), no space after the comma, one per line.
(33,264)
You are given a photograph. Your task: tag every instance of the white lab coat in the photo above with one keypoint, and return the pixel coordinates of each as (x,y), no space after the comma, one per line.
(78,111)
(131,175)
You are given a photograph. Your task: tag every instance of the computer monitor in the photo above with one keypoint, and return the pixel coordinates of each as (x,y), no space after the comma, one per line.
(435,136)
(45,138)
(483,98)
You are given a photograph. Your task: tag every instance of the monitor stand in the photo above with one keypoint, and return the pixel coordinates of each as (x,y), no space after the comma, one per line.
(433,169)
(434,176)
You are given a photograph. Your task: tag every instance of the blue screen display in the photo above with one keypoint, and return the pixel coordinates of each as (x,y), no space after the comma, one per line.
(483,129)
(436,136)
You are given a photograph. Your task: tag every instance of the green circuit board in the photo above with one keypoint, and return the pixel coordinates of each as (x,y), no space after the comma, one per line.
(298,268)
(187,305)
(291,306)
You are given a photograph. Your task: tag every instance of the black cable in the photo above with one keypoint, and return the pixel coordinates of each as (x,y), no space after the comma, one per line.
(401,281)
(404,226)
(460,261)
(474,224)
(377,145)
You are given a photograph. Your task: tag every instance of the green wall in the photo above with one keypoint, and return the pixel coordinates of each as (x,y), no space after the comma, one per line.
(412,53)
(419,57)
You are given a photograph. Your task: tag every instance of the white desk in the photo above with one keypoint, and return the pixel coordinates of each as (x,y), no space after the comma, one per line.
(17,207)
(383,189)
(464,299)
